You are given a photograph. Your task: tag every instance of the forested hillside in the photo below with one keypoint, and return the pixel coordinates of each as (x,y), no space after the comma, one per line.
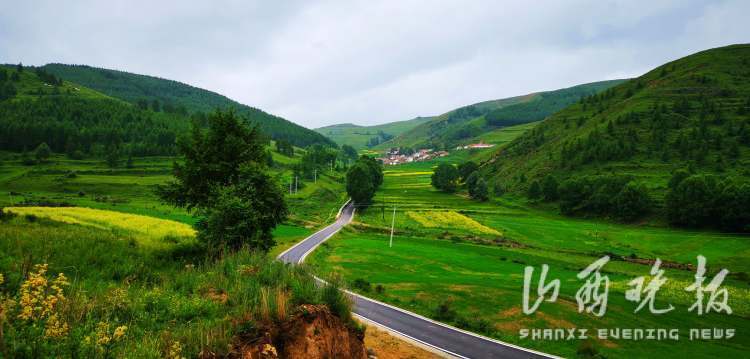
(674,141)
(466,123)
(161,95)
(37,107)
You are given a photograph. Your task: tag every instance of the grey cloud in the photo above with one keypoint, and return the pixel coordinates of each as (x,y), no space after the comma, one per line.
(324,62)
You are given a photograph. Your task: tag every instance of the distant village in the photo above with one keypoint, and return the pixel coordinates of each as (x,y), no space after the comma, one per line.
(396,155)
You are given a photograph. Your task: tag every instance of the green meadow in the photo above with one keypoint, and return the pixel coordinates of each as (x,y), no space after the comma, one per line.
(462,262)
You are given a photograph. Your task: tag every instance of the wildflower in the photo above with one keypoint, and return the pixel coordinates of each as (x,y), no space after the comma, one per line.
(102,334)
(2,280)
(268,351)
(175,350)
(56,327)
(119,333)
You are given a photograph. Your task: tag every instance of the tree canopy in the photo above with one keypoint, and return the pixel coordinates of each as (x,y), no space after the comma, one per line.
(445,177)
(223,178)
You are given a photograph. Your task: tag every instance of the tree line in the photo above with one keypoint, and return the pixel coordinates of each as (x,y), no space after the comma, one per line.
(449,178)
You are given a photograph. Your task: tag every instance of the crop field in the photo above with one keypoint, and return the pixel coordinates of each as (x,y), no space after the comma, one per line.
(442,267)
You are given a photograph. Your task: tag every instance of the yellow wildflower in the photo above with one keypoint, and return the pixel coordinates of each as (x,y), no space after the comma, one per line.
(42,300)
(175,350)
(56,327)
(119,333)
(102,334)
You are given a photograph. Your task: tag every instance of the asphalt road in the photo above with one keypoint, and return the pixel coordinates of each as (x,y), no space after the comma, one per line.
(448,340)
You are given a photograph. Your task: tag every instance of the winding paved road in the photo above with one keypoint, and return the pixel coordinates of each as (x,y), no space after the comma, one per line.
(445,339)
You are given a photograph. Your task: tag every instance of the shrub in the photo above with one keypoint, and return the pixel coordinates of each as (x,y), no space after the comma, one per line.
(445,177)
(362,285)
(534,191)
(444,312)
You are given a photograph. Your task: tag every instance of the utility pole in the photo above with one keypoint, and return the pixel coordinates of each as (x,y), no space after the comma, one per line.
(296,184)
(393,222)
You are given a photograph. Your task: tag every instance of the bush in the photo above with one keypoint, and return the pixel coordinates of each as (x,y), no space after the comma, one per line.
(6,215)
(534,191)
(445,178)
(632,202)
(615,196)
(362,285)
(707,201)
(444,312)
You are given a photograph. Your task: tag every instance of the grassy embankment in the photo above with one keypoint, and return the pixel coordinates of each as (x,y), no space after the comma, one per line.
(134,287)
(470,255)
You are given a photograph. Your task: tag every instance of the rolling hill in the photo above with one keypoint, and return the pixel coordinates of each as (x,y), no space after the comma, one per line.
(464,124)
(172,96)
(37,107)
(689,118)
(361,136)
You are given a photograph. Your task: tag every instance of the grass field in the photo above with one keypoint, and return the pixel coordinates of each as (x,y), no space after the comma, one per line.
(479,273)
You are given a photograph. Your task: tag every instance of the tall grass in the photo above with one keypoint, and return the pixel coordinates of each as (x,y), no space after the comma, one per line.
(167,300)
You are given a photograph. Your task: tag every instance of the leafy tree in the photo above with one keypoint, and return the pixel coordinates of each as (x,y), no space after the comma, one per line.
(245,213)
(535,190)
(359,184)
(224,179)
(677,178)
(734,199)
(285,148)
(632,202)
(693,202)
(348,152)
(549,188)
(466,169)
(42,152)
(471,181)
(129,163)
(498,189)
(375,169)
(112,157)
(445,177)
(480,191)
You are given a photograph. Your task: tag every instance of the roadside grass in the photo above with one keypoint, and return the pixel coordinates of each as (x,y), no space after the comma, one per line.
(170,298)
(480,275)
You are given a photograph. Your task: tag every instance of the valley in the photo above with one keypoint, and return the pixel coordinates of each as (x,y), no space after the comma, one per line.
(145,215)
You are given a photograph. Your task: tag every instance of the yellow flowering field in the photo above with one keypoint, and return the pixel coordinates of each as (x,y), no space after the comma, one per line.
(402,174)
(145,227)
(450,219)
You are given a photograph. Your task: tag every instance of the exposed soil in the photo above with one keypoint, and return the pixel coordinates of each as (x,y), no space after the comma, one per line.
(312,332)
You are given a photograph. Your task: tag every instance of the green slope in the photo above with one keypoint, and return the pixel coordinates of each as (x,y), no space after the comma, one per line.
(40,107)
(359,136)
(173,96)
(693,112)
(464,124)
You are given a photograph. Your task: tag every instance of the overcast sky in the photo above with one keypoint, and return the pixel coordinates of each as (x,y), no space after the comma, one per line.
(367,62)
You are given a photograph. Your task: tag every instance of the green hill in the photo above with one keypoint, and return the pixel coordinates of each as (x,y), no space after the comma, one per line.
(465,124)
(692,113)
(38,107)
(162,95)
(365,136)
